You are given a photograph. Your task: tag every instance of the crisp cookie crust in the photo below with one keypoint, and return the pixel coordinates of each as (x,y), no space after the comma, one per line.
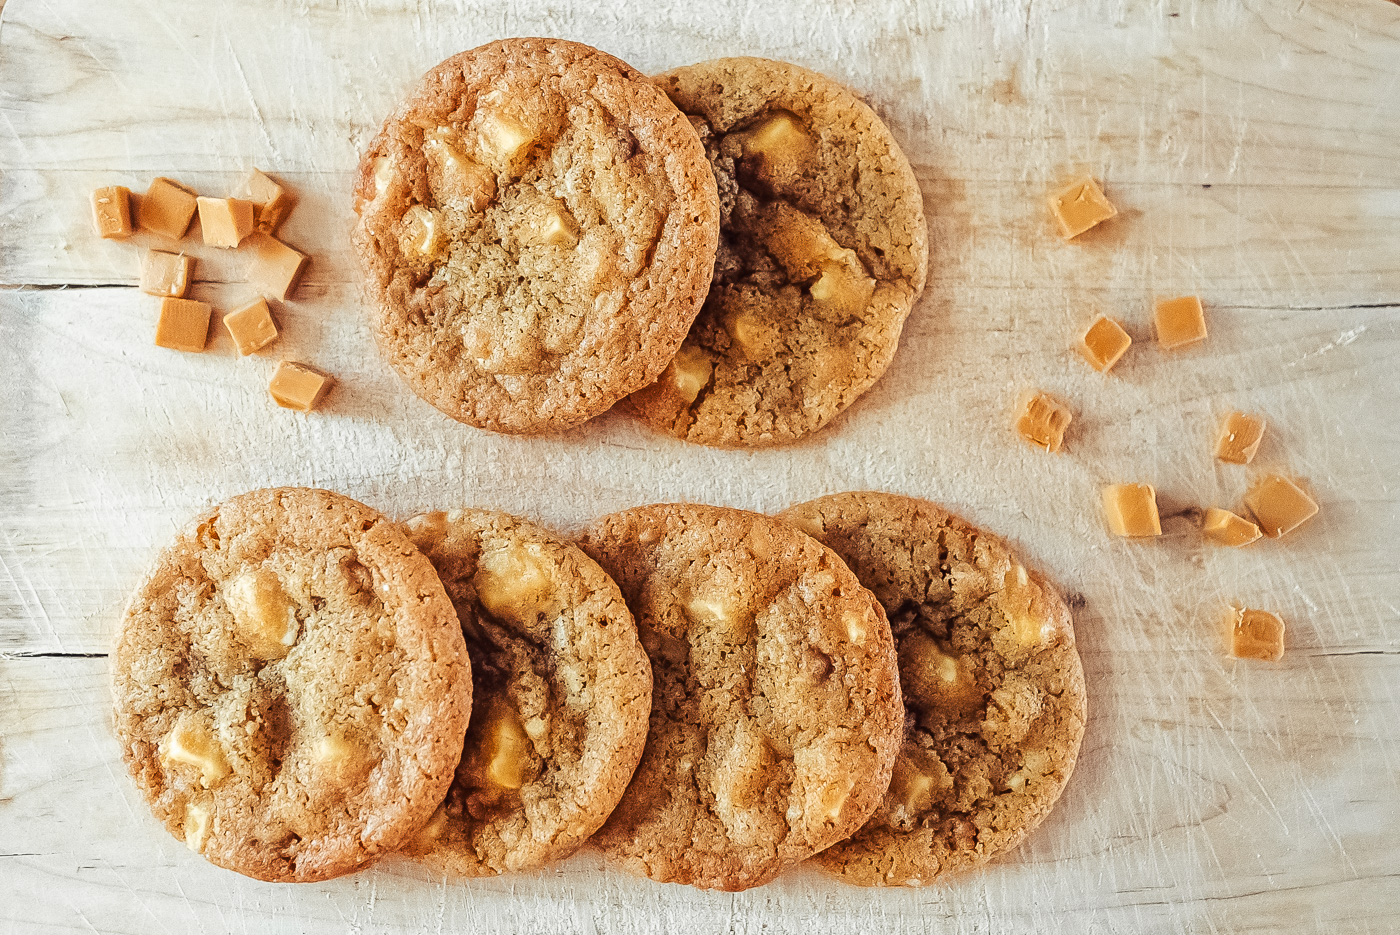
(562,692)
(993,688)
(776,712)
(823,250)
(291,686)
(537,226)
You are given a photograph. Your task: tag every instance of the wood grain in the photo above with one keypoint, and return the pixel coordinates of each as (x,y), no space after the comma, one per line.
(1251,149)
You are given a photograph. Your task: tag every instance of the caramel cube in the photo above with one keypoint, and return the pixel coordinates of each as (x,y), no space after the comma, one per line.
(1180,322)
(1104,343)
(183,325)
(166,274)
(111,212)
(1043,421)
(166,209)
(1279,505)
(276,266)
(1240,435)
(225,221)
(1228,529)
(1256,634)
(297,386)
(271,202)
(1080,205)
(251,327)
(1131,510)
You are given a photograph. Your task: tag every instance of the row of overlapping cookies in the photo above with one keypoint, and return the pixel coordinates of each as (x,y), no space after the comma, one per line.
(709,695)
(732,247)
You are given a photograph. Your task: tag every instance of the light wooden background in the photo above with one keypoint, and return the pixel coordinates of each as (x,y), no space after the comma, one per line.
(1254,151)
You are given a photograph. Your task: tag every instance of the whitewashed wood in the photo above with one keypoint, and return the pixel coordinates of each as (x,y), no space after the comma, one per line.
(1212,796)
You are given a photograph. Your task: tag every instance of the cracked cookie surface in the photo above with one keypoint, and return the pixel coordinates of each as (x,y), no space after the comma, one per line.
(776,712)
(823,251)
(291,686)
(993,687)
(537,225)
(561,691)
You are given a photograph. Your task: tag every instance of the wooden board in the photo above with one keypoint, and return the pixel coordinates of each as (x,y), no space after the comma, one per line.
(1252,148)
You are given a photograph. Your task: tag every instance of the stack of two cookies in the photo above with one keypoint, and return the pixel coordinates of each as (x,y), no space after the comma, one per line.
(733,247)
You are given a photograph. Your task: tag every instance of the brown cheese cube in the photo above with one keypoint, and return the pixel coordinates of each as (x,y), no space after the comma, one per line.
(166,274)
(251,327)
(272,202)
(111,212)
(1043,421)
(1279,505)
(1256,634)
(183,325)
(1131,510)
(1104,343)
(225,221)
(166,209)
(297,386)
(1080,205)
(276,266)
(1228,529)
(1180,322)
(1240,435)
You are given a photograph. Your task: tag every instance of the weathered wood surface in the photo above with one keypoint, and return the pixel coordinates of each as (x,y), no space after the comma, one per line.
(1252,147)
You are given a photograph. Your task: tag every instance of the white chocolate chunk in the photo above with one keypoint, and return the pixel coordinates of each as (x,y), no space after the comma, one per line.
(198,824)
(857,626)
(421,234)
(264,616)
(454,178)
(191,744)
(688,372)
(514,581)
(506,748)
(751,336)
(501,136)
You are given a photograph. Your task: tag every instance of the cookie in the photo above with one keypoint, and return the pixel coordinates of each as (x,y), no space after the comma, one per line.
(537,226)
(823,250)
(562,694)
(993,688)
(776,712)
(291,686)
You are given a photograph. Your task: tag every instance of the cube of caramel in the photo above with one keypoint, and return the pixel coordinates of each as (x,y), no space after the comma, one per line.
(1228,529)
(224,222)
(1080,205)
(166,209)
(1131,510)
(1043,421)
(271,202)
(111,212)
(166,274)
(275,266)
(1240,435)
(1256,634)
(183,325)
(251,327)
(1279,505)
(1104,343)
(1180,322)
(298,386)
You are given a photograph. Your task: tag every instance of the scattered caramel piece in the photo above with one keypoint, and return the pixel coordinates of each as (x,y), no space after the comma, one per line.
(190,743)
(1180,322)
(1240,435)
(513,581)
(1228,529)
(251,327)
(298,386)
(264,617)
(505,747)
(1080,205)
(111,212)
(166,209)
(1279,505)
(1043,421)
(1256,634)
(183,324)
(271,202)
(224,222)
(166,274)
(275,267)
(1131,510)
(1104,343)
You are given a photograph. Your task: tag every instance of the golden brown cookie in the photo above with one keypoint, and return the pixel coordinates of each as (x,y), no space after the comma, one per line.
(993,688)
(562,691)
(537,225)
(776,713)
(823,250)
(291,686)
